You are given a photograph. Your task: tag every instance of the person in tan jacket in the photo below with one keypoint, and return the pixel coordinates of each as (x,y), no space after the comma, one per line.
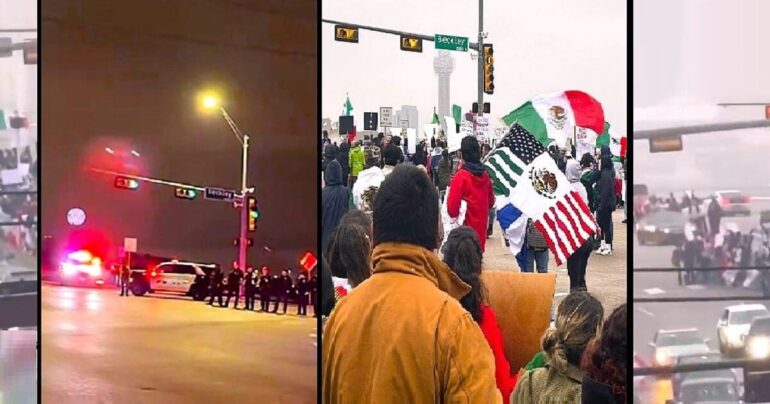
(402,336)
(578,318)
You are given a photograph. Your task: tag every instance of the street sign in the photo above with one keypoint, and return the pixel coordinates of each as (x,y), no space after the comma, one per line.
(453,43)
(219,194)
(308,261)
(411,44)
(666,143)
(345,33)
(130,244)
(76,216)
(370,121)
(386,117)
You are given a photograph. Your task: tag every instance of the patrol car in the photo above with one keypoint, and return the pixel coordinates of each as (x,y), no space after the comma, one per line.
(188,278)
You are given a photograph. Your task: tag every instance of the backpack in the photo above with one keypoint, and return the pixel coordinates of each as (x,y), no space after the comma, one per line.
(535,239)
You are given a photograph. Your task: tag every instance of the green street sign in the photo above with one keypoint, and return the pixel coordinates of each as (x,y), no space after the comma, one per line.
(454,43)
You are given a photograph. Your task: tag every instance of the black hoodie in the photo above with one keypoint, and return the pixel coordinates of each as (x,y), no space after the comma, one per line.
(342,158)
(606,184)
(335,200)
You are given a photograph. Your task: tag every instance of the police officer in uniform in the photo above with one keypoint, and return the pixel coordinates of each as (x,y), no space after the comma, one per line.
(264,290)
(234,285)
(125,273)
(249,288)
(284,286)
(303,293)
(216,286)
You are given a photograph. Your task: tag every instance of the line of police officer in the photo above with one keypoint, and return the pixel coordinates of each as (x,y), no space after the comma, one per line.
(279,288)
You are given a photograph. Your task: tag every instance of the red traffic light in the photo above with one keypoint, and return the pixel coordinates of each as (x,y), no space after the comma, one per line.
(126,183)
(308,261)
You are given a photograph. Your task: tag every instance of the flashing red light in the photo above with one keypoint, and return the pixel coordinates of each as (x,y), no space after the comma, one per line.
(725,201)
(82,256)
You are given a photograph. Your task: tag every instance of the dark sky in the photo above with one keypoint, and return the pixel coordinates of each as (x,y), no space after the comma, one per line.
(127,73)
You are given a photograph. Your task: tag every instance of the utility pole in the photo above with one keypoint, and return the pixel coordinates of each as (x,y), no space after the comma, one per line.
(480,58)
(244,139)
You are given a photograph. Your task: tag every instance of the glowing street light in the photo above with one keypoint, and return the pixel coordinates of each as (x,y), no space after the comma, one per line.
(210,102)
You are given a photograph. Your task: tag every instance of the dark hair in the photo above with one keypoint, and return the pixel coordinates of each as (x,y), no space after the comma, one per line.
(357,217)
(396,140)
(586,160)
(578,318)
(326,133)
(462,253)
(470,149)
(390,155)
(349,253)
(327,300)
(445,154)
(605,359)
(406,208)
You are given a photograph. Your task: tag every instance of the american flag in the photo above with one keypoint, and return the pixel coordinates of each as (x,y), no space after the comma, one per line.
(522,171)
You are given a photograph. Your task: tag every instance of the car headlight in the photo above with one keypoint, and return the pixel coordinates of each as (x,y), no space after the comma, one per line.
(650,228)
(733,336)
(666,231)
(661,358)
(759,347)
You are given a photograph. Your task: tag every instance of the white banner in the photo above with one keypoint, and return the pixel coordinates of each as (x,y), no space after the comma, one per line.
(453,137)
(585,142)
(411,136)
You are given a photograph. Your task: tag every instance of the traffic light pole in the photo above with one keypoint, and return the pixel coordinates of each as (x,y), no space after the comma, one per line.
(244,139)
(481,58)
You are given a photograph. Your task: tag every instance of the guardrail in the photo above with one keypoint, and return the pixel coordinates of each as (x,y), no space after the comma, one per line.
(762,268)
(700,367)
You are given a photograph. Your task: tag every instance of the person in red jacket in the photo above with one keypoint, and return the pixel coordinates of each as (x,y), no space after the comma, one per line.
(462,253)
(471,184)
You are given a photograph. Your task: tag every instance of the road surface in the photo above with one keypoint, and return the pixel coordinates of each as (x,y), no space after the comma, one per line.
(18,367)
(99,347)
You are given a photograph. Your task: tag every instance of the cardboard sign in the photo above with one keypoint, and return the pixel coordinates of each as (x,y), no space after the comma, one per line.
(411,136)
(453,137)
(585,142)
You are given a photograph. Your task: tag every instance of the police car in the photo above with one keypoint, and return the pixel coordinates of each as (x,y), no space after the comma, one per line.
(188,278)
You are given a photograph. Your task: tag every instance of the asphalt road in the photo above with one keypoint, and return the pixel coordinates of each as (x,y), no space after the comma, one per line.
(650,317)
(99,347)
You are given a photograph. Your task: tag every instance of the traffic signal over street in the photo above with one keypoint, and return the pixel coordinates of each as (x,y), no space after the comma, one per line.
(126,183)
(411,44)
(489,68)
(253,213)
(345,33)
(185,193)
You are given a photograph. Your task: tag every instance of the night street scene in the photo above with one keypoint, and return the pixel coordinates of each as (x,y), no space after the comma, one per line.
(180,183)
(18,202)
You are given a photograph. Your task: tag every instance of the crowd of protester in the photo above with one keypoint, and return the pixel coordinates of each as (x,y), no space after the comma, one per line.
(410,319)
(18,202)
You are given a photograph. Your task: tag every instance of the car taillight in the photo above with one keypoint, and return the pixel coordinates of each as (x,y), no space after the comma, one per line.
(725,201)
(153,273)
(746,199)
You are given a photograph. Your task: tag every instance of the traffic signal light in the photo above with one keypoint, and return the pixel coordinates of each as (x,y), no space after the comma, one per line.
(253,213)
(185,193)
(345,34)
(411,44)
(489,68)
(237,242)
(126,183)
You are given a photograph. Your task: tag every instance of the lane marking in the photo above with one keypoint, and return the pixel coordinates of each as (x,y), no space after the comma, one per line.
(645,311)
(696,287)
(654,291)
(560,294)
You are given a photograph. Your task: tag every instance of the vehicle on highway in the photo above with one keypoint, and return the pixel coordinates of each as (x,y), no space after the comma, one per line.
(640,198)
(732,202)
(678,378)
(714,390)
(670,344)
(189,278)
(758,338)
(733,326)
(663,227)
(82,268)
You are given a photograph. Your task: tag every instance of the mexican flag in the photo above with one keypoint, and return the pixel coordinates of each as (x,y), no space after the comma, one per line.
(348,107)
(435,117)
(3,123)
(551,118)
(611,138)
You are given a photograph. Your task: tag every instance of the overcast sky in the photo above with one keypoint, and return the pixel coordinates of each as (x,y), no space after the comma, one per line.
(540,46)
(702,52)
(18,82)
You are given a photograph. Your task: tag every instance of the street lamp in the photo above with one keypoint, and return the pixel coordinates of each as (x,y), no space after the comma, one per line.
(212,102)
